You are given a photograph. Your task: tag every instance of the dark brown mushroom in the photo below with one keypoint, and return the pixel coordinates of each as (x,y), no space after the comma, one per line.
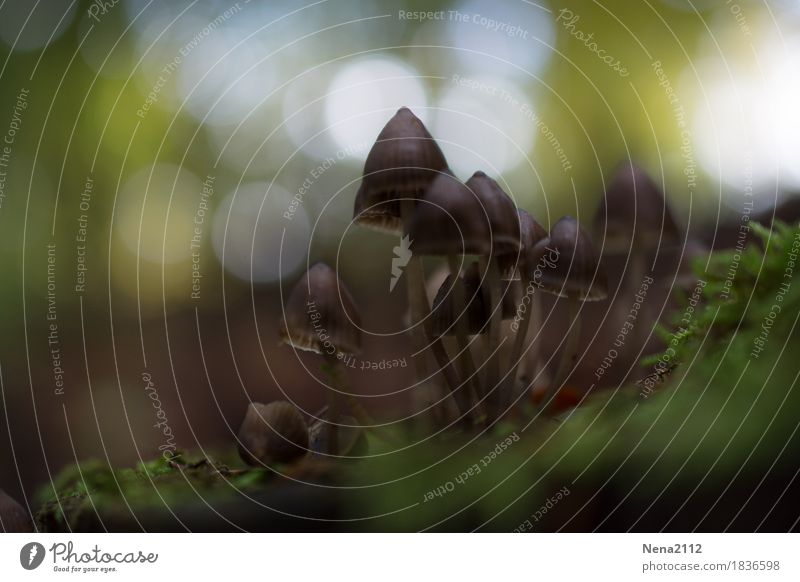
(272,433)
(633,215)
(527,309)
(401,164)
(504,239)
(577,273)
(573,270)
(321,316)
(399,167)
(450,221)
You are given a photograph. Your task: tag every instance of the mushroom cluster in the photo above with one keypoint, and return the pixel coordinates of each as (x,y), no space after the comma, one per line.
(498,259)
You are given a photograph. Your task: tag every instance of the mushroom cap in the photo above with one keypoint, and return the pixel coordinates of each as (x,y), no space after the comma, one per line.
(530,233)
(449,219)
(444,311)
(320,315)
(634,212)
(272,433)
(504,223)
(381,216)
(403,161)
(567,263)
(13,518)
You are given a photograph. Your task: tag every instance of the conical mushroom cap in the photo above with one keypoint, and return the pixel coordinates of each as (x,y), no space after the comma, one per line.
(272,433)
(530,233)
(634,213)
(13,518)
(403,161)
(567,263)
(449,219)
(320,315)
(501,212)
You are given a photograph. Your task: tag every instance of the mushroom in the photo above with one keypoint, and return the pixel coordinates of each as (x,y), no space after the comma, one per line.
(504,239)
(517,265)
(450,222)
(399,167)
(633,216)
(272,433)
(574,272)
(13,518)
(321,316)
(634,219)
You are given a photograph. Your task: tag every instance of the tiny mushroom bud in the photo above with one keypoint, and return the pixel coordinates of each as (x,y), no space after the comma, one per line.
(272,433)
(13,518)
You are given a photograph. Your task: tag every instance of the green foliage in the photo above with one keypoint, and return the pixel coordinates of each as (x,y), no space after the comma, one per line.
(741,288)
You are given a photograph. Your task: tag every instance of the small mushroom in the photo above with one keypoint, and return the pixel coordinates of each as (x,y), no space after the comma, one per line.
(504,237)
(450,222)
(574,273)
(321,316)
(634,220)
(13,518)
(272,433)
(634,216)
(517,264)
(400,166)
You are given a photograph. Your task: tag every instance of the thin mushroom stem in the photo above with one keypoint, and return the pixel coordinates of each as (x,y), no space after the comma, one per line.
(451,376)
(417,299)
(466,363)
(335,375)
(568,355)
(419,309)
(494,393)
(530,313)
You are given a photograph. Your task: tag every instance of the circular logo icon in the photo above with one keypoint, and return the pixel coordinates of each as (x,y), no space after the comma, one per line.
(31,555)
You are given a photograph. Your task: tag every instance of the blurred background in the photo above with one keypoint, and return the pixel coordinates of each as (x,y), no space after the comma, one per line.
(168,170)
